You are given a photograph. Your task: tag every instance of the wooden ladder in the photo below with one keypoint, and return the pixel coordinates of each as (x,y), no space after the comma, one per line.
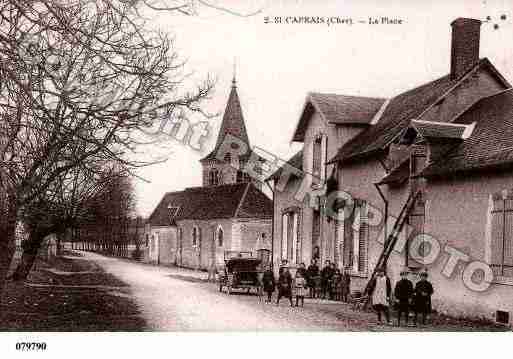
(391,240)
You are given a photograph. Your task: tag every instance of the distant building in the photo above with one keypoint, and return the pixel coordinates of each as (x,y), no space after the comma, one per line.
(194,227)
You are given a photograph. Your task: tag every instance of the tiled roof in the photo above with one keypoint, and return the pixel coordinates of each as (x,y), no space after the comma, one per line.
(255,205)
(338,109)
(400,110)
(438,130)
(295,161)
(161,214)
(397,115)
(491,142)
(241,200)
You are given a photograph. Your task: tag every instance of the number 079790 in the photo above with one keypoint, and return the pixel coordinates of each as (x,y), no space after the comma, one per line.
(32,346)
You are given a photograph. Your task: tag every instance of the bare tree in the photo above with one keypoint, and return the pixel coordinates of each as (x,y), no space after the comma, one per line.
(66,204)
(81,83)
(110,214)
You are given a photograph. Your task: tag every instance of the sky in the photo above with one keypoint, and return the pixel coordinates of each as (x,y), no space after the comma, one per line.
(277,64)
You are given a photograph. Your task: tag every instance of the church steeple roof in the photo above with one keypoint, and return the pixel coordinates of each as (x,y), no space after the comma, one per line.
(233,121)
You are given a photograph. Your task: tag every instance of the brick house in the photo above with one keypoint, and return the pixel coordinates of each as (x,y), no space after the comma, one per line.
(437,157)
(194,227)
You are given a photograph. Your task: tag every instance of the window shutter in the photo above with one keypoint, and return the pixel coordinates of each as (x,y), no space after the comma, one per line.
(508,238)
(496,237)
(295,245)
(348,244)
(363,236)
(290,236)
(284,229)
(339,238)
(324,149)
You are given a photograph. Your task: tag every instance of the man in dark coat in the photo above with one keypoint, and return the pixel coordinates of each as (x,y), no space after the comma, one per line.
(335,282)
(311,273)
(268,284)
(403,293)
(423,292)
(285,286)
(346,284)
(326,275)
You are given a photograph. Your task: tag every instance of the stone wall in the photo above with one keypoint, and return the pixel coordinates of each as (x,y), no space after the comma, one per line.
(200,255)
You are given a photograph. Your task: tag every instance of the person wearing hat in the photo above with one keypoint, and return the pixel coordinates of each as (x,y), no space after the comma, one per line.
(379,290)
(423,293)
(403,292)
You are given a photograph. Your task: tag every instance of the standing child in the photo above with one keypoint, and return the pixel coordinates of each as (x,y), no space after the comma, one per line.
(379,290)
(268,284)
(423,293)
(285,286)
(403,293)
(301,288)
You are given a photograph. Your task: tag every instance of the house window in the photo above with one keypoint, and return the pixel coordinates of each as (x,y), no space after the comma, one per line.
(352,236)
(220,237)
(194,236)
(319,160)
(290,239)
(502,236)
(213,178)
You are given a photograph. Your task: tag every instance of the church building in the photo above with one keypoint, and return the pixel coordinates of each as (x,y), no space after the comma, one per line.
(195,227)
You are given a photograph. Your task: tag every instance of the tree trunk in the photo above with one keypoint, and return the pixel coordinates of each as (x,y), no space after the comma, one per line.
(30,250)
(7,241)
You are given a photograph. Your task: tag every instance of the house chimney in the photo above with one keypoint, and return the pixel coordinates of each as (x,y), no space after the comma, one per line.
(464,46)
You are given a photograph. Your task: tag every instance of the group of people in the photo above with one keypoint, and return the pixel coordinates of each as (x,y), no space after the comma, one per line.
(333,283)
(407,296)
(286,285)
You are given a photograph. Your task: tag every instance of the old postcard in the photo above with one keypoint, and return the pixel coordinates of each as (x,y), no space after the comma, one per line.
(254,166)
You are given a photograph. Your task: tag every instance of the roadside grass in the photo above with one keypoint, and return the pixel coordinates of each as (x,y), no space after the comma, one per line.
(69,294)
